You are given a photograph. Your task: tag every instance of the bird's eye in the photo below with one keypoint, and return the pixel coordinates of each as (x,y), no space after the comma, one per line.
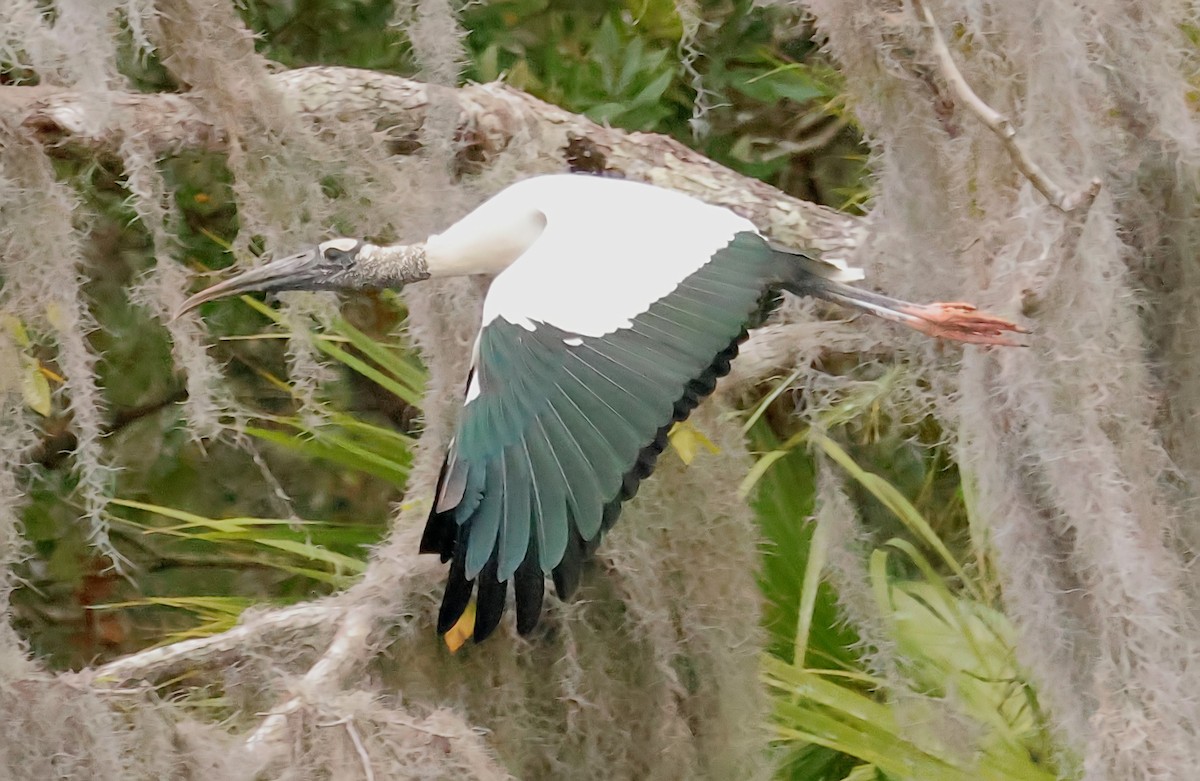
(342,253)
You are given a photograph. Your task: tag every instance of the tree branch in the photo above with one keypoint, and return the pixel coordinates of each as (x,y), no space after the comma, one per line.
(1002,126)
(345,653)
(491,117)
(170,661)
(51,451)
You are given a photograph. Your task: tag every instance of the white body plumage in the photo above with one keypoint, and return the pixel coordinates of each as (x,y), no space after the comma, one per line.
(583,253)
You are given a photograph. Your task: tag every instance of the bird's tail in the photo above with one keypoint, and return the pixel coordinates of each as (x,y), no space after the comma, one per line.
(958,321)
(822,266)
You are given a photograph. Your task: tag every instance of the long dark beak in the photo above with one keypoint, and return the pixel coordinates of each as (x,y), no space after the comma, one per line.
(295,272)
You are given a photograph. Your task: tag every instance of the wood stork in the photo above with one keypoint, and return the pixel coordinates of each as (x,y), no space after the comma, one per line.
(615,308)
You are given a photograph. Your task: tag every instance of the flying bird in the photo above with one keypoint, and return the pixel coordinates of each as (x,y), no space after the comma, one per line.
(616,306)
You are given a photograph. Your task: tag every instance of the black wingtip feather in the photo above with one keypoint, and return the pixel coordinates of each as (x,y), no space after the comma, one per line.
(612,511)
(457,595)
(566,574)
(439,534)
(529,587)
(489,601)
(440,528)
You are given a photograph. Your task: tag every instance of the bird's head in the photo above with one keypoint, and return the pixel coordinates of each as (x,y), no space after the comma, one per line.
(337,264)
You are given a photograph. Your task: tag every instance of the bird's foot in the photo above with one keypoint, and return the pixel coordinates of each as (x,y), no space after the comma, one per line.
(963,323)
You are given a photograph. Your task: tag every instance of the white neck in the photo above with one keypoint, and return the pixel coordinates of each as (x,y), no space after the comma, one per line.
(486,241)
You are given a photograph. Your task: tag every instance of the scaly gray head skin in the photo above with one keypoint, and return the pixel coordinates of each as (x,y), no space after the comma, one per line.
(337,264)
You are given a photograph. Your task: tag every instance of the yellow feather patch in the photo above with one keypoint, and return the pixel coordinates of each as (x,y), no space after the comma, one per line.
(687,440)
(458,634)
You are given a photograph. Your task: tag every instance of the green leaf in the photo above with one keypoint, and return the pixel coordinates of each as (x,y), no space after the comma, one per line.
(653,92)
(35,388)
(887,494)
(631,66)
(408,390)
(404,366)
(216,614)
(769,399)
(783,504)
(811,709)
(340,450)
(817,550)
(311,552)
(790,82)
(301,540)
(605,113)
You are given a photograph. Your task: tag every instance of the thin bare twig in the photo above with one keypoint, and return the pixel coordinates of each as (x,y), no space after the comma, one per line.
(1002,126)
(359,748)
(56,447)
(363,756)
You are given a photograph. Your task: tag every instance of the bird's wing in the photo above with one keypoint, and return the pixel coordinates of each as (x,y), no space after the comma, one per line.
(560,427)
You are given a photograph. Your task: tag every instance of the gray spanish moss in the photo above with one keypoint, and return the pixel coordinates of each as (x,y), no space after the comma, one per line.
(1082,448)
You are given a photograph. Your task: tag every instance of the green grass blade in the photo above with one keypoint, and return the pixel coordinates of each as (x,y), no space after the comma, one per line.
(390,384)
(817,550)
(891,498)
(409,391)
(307,550)
(769,399)
(330,447)
(404,367)
(810,709)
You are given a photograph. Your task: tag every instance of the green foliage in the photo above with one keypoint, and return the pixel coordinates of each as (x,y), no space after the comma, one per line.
(800,611)
(590,61)
(314,554)
(357,33)
(773,101)
(210,615)
(398,374)
(833,717)
(801,614)
(345,442)
(305,544)
(200,538)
